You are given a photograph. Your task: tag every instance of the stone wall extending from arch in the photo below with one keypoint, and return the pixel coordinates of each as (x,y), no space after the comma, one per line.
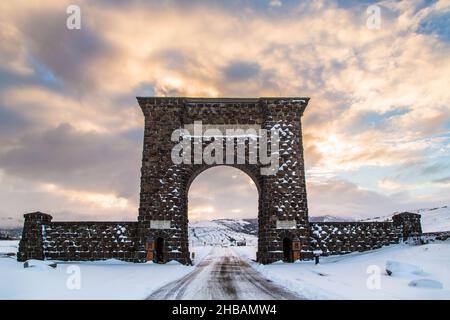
(90,240)
(333,238)
(77,241)
(71,241)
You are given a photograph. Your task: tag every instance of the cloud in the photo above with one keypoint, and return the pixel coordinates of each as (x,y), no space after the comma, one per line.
(443,180)
(10,121)
(241,71)
(86,161)
(378,97)
(343,198)
(435,168)
(275,3)
(19,196)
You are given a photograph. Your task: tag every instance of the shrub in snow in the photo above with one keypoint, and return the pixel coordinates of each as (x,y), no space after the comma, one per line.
(426,283)
(396,268)
(39,264)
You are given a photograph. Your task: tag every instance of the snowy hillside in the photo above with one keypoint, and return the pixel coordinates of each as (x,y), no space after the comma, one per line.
(249,226)
(223,231)
(433,219)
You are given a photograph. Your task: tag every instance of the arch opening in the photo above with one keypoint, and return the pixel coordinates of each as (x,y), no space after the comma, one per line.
(223,205)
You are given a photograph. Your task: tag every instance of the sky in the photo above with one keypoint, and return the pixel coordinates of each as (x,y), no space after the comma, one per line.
(376,130)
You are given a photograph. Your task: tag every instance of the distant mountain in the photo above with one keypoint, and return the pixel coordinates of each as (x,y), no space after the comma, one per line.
(10,234)
(328,218)
(10,228)
(433,219)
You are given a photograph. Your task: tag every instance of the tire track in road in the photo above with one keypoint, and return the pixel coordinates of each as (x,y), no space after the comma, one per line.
(223,275)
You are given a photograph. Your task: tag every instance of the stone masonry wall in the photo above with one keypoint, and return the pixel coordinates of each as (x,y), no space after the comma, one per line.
(410,224)
(434,236)
(31,245)
(90,240)
(71,241)
(344,237)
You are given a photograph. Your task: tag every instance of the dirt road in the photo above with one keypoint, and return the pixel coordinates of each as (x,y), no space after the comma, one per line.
(223,275)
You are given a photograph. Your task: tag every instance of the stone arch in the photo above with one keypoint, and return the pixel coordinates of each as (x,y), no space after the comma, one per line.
(164,185)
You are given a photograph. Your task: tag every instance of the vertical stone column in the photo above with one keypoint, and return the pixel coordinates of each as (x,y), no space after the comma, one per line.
(163,191)
(284,194)
(410,224)
(31,245)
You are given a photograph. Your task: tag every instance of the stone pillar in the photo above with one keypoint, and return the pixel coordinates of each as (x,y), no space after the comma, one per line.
(285,208)
(410,224)
(31,245)
(162,210)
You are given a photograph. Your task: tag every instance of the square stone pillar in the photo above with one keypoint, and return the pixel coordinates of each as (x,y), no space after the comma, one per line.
(31,246)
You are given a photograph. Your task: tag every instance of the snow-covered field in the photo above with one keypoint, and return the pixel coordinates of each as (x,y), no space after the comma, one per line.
(346,277)
(111,279)
(218,232)
(9,246)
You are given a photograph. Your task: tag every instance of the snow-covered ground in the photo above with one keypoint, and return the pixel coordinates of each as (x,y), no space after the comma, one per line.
(9,246)
(418,272)
(347,276)
(110,279)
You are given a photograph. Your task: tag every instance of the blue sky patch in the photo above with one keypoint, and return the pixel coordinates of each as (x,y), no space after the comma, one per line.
(438,24)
